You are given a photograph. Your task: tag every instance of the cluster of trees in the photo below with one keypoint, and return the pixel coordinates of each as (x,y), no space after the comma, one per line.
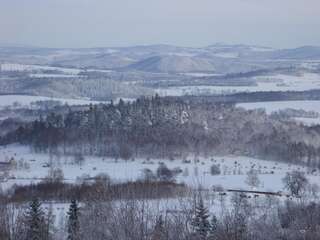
(147,210)
(137,219)
(294,113)
(34,223)
(103,88)
(170,127)
(91,189)
(263,96)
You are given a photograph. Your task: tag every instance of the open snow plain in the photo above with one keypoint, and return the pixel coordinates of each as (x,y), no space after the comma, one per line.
(32,167)
(270,107)
(278,82)
(25,101)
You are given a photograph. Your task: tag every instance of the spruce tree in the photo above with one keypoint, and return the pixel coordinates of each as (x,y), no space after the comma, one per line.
(213,228)
(200,223)
(73,221)
(159,230)
(35,223)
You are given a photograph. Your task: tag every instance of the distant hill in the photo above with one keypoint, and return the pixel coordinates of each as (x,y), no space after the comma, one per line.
(301,53)
(161,58)
(173,63)
(101,61)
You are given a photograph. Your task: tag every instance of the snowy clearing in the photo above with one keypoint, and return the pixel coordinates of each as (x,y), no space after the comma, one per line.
(19,101)
(42,75)
(71,72)
(275,106)
(24,67)
(200,74)
(281,105)
(32,167)
(280,82)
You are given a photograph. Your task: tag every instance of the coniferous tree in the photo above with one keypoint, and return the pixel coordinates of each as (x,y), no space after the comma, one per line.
(73,221)
(213,228)
(200,222)
(35,221)
(159,230)
(4,223)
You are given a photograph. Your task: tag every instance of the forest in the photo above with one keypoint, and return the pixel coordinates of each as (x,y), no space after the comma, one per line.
(158,127)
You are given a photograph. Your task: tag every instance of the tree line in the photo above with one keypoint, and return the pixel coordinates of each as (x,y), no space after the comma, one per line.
(134,219)
(170,127)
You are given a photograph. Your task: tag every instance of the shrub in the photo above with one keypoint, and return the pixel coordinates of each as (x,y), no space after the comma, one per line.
(215,169)
(164,173)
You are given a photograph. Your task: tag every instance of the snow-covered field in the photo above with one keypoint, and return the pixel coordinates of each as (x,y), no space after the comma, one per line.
(18,101)
(308,121)
(227,55)
(280,82)
(301,82)
(313,64)
(31,68)
(23,67)
(33,167)
(282,105)
(199,74)
(42,75)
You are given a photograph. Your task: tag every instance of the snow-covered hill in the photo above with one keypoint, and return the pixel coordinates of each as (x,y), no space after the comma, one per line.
(173,63)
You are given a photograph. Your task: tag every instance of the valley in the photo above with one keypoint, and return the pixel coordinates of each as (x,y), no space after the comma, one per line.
(159,129)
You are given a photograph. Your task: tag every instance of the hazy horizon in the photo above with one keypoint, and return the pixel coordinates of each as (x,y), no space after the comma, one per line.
(20,45)
(121,23)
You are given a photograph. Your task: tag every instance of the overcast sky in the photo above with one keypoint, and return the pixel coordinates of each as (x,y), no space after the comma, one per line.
(90,23)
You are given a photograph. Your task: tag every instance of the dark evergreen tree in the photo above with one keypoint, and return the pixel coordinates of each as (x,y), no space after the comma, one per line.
(73,221)
(35,221)
(200,222)
(213,228)
(159,230)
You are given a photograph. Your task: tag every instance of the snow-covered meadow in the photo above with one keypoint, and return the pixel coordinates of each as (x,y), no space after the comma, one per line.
(10,67)
(280,105)
(279,82)
(32,167)
(19,101)
(269,107)
(65,71)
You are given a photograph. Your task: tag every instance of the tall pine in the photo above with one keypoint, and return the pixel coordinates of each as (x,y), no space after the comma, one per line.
(35,221)
(73,221)
(159,232)
(200,222)
(213,228)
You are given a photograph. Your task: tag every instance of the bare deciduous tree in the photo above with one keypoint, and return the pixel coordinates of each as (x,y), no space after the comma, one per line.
(296,182)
